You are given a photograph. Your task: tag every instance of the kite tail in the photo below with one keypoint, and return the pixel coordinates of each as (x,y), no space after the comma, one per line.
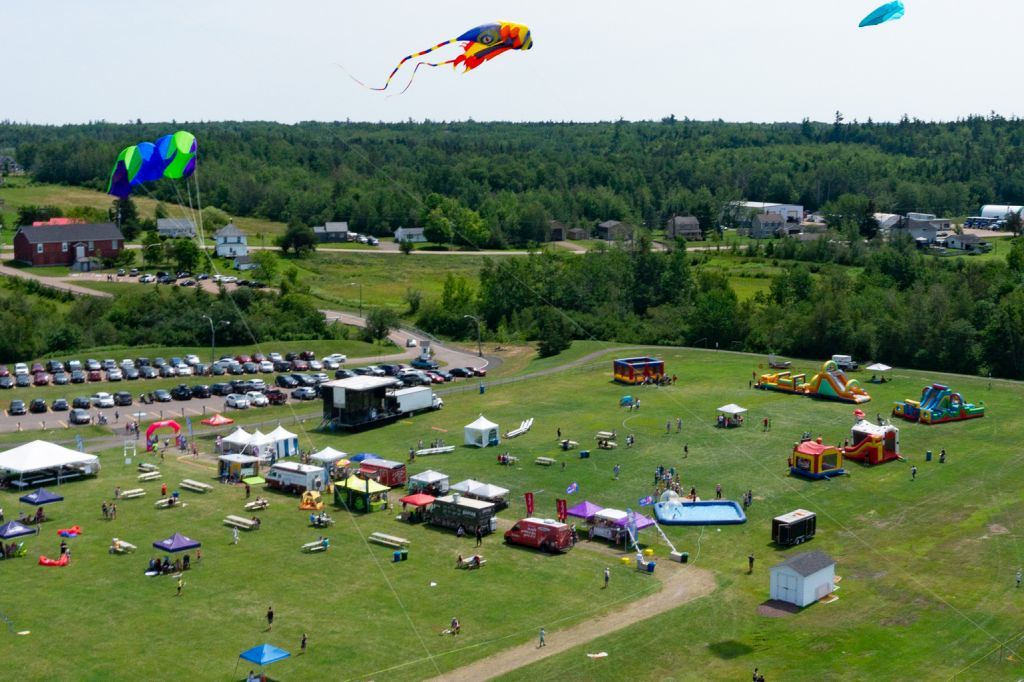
(432,64)
(404,60)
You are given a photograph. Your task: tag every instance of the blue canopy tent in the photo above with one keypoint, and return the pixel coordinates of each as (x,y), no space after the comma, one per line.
(262,655)
(177,543)
(13,529)
(41,497)
(363,455)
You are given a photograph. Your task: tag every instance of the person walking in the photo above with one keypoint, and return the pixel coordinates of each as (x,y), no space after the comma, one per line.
(608,576)
(686,450)
(559,433)
(479,536)
(913,473)
(270,617)
(615,472)
(1020,574)
(234,535)
(679,424)
(718,491)
(668,426)
(302,644)
(637,404)
(541,639)
(750,563)
(181,584)
(248,491)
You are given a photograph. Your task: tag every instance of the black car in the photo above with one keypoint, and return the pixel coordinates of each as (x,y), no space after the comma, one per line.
(142,362)
(159,362)
(22,381)
(60,405)
(181,392)
(305,379)
(461,372)
(304,393)
(149,372)
(220,389)
(54,366)
(444,374)
(6,382)
(391,370)
(363,371)
(161,396)
(200,369)
(291,355)
(17,407)
(201,391)
(282,366)
(82,402)
(37,406)
(77,376)
(286,381)
(236,369)
(242,386)
(344,374)
(122,398)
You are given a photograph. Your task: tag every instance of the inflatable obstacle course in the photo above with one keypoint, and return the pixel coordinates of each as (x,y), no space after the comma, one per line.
(831,383)
(938,404)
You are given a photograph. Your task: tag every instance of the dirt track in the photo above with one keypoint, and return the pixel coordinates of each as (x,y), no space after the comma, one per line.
(680,584)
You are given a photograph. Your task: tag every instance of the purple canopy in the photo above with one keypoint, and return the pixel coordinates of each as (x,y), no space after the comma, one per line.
(584,510)
(13,529)
(641,520)
(177,543)
(40,497)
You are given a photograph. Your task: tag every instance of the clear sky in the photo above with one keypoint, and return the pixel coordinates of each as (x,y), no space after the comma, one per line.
(738,60)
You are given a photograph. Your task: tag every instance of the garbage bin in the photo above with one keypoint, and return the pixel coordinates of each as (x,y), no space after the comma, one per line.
(405,554)
(686,557)
(584,454)
(483,389)
(396,557)
(650,567)
(928,456)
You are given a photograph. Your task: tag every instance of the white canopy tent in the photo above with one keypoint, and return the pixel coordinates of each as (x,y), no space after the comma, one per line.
(40,455)
(429,480)
(878,367)
(237,441)
(327,456)
(731,415)
(286,442)
(466,486)
(488,492)
(482,433)
(263,446)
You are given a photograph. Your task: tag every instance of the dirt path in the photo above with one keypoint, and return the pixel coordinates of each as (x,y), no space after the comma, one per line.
(679,585)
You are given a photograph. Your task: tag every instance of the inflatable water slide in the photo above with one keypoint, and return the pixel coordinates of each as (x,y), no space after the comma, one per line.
(830,383)
(938,404)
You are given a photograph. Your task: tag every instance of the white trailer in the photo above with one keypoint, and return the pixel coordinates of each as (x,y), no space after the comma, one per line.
(295,478)
(416,399)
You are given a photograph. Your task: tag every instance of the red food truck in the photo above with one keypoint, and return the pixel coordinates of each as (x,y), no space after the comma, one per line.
(545,534)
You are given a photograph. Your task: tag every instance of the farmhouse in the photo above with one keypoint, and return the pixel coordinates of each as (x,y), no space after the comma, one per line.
(803,579)
(331,232)
(683,227)
(231,242)
(173,228)
(72,245)
(410,234)
(610,230)
(765,225)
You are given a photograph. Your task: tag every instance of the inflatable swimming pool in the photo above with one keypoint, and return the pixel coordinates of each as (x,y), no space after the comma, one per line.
(710,513)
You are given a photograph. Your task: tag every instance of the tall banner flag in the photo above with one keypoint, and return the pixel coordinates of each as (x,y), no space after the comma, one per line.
(631,523)
(529,503)
(188,424)
(573,487)
(562,508)
(80,443)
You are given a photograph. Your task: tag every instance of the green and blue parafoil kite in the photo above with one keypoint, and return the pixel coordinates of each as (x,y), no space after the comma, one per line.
(172,156)
(887,12)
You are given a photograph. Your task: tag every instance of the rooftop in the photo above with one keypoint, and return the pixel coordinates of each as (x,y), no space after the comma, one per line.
(808,563)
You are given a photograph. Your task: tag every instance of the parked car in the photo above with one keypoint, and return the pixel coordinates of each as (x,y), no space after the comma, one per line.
(304,379)
(149,372)
(444,374)
(82,402)
(315,365)
(162,396)
(4,372)
(21,368)
(274,357)
(41,379)
(115,375)
(37,406)
(243,358)
(201,369)
(424,363)
(201,391)
(77,376)
(123,399)
(257,399)
(60,378)
(109,364)
(435,377)
(7,382)
(218,369)
(142,362)
(282,366)
(460,372)
(411,342)
(344,374)
(91,365)
(266,366)
(239,401)
(159,362)
(286,381)
(258,357)
(167,371)
(192,359)
(72,365)
(54,366)
(304,393)
(22,380)
(319,378)
(145,279)
(307,355)
(391,370)
(37,368)
(17,408)
(276,396)
(250,367)
(236,369)
(220,389)
(131,374)
(183,370)
(478,371)
(95,375)
(181,392)
(80,416)
(60,405)
(300,365)
(102,400)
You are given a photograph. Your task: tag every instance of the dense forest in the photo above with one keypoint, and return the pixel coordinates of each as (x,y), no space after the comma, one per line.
(503,181)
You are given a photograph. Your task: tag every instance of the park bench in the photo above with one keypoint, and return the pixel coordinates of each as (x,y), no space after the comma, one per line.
(316,546)
(435,451)
(544,461)
(521,429)
(168,503)
(132,494)
(196,486)
(147,466)
(388,540)
(149,476)
(604,435)
(121,547)
(607,444)
(257,505)
(241,522)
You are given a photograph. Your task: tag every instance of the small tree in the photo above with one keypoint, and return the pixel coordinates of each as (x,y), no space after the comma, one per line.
(1014,223)
(185,254)
(298,238)
(266,265)
(405,246)
(379,323)
(152,248)
(552,332)
(414,297)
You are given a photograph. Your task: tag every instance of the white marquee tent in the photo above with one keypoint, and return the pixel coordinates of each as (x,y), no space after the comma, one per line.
(40,455)
(482,433)
(286,442)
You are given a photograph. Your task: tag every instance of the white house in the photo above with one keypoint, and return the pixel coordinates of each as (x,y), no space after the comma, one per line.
(966,242)
(244,263)
(331,232)
(231,242)
(803,579)
(173,228)
(411,234)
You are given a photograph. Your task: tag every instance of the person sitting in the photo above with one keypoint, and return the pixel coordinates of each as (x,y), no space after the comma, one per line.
(460,531)
(40,516)
(255,523)
(474,561)
(177,565)
(460,562)
(312,520)
(326,542)
(456,626)
(166,566)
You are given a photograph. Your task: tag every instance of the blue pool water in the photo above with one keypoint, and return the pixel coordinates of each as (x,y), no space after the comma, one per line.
(711,513)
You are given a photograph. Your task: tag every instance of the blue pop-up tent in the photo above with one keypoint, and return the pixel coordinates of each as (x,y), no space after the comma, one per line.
(13,529)
(177,543)
(41,497)
(262,655)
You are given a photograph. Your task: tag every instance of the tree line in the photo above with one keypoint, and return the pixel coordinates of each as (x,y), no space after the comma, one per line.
(497,184)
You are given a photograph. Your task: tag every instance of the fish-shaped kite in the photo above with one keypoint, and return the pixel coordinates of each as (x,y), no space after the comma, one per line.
(887,12)
(480,44)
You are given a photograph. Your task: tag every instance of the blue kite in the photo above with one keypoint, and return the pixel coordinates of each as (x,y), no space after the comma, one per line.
(887,12)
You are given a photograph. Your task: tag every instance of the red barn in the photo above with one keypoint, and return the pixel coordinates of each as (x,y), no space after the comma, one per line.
(67,244)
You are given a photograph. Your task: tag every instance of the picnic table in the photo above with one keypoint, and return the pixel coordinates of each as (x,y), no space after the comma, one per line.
(258,504)
(435,451)
(147,466)
(241,522)
(168,503)
(316,546)
(132,494)
(544,461)
(388,540)
(196,486)
(149,476)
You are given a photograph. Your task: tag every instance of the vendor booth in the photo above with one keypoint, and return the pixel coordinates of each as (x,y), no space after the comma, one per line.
(384,471)
(284,442)
(177,543)
(482,433)
(730,415)
(332,461)
(609,524)
(455,511)
(361,494)
(235,467)
(584,510)
(237,441)
(430,482)
(419,503)
(39,463)
(489,493)
(218,420)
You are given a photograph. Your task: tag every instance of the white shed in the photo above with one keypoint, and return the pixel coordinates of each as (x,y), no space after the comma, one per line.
(803,579)
(482,433)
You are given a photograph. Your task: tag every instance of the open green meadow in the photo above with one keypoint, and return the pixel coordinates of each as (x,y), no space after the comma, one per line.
(928,566)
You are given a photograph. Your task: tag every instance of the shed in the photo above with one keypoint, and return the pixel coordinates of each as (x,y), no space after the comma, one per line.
(482,433)
(331,232)
(556,231)
(429,481)
(803,579)
(384,471)
(610,230)
(576,234)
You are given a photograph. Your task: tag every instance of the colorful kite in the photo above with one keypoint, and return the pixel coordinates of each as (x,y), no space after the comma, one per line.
(480,45)
(887,12)
(172,156)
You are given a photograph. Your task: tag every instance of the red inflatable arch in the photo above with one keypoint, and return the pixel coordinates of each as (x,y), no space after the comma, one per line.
(170,423)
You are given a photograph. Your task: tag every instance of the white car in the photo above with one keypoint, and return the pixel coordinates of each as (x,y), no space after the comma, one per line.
(257,399)
(340,358)
(102,400)
(266,367)
(258,385)
(192,360)
(275,357)
(238,401)
(146,279)
(316,364)
(115,375)
(411,343)
(185,371)
(21,368)
(229,279)
(127,363)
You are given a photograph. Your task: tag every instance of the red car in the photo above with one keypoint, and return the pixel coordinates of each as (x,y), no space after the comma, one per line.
(243,358)
(258,357)
(307,355)
(276,396)
(478,371)
(37,367)
(4,372)
(300,365)
(436,378)
(41,379)
(95,375)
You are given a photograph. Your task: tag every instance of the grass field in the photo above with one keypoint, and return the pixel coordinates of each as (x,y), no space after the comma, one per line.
(927,566)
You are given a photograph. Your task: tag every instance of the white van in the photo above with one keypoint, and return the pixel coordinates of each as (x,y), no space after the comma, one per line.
(295,478)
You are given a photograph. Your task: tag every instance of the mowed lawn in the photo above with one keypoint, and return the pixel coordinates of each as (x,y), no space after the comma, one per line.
(927,566)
